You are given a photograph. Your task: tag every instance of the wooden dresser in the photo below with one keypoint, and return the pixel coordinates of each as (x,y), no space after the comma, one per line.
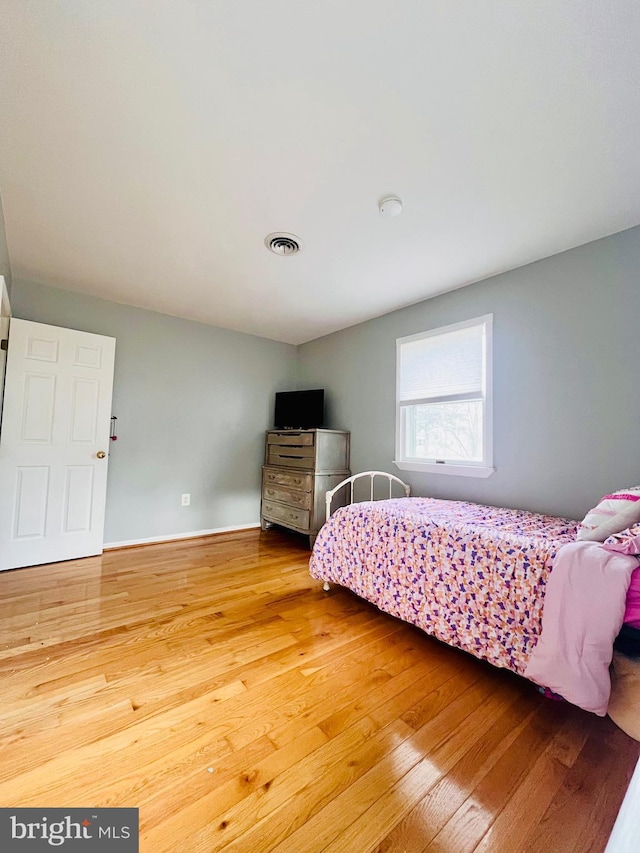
(300,466)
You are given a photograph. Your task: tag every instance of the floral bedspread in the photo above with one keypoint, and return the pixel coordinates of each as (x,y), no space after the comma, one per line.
(473,576)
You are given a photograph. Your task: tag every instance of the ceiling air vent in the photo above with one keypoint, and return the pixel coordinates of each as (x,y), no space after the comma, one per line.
(282,243)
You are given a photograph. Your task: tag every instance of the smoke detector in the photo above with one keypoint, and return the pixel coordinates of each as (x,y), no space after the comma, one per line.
(282,243)
(391,206)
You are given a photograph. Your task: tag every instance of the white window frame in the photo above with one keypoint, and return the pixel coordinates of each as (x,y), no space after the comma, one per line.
(484,468)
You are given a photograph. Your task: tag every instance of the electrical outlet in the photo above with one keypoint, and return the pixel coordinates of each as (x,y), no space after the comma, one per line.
(186,500)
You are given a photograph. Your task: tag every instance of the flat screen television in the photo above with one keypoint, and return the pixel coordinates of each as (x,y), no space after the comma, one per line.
(299,409)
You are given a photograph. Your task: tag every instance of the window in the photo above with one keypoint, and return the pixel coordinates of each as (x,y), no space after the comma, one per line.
(444,407)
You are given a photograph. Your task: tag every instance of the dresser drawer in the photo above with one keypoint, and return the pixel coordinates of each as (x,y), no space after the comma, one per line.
(287,515)
(274,477)
(288,439)
(291,457)
(287,496)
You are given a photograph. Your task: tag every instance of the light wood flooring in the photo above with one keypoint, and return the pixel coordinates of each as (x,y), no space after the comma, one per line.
(213,685)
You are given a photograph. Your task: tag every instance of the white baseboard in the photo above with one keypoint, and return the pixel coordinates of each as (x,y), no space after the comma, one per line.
(625,837)
(174,537)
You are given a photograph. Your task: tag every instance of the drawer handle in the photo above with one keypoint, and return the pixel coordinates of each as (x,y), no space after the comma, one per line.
(290,456)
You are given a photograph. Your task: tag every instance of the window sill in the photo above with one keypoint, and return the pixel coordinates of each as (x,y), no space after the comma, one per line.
(446,468)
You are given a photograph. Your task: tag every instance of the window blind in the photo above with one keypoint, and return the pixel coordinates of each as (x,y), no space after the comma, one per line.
(448,363)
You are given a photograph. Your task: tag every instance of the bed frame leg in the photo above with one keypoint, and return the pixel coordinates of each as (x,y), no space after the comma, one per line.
(325,586)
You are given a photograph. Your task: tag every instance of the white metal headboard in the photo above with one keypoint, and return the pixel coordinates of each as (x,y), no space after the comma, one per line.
(372,475)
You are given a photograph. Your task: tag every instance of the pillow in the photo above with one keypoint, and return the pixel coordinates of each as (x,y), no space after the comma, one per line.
(625,542)
(614,513)
(632,611)
(628,542)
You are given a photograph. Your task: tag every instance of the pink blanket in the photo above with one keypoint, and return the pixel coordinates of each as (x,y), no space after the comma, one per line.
(583,612)
(473,576)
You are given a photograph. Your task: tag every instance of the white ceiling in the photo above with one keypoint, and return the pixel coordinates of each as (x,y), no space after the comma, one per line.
(147,147)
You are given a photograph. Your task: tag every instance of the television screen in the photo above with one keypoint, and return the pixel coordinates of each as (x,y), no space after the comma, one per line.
(299,409)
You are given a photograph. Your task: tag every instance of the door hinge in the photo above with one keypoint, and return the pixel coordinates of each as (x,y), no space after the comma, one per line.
(4,344)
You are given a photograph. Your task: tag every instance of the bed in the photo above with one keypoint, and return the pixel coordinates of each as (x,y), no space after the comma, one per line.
(476,577)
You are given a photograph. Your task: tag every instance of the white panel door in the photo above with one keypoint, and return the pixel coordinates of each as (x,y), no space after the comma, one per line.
(54,444)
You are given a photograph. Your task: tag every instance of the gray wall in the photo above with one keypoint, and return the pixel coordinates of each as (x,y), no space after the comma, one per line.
(5,270)
(192,402)
(566,368)
(5,266)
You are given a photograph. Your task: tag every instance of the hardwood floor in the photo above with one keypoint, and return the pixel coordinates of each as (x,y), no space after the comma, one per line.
(213,685)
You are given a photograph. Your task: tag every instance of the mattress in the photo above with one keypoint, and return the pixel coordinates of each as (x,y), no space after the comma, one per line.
(473,576)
